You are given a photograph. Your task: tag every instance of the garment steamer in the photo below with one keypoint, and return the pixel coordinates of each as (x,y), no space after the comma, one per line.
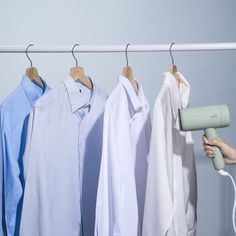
(208,119)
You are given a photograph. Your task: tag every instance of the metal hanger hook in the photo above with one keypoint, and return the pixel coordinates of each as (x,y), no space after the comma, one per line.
(73,54)
(172,58)
(126,54)
(26,52)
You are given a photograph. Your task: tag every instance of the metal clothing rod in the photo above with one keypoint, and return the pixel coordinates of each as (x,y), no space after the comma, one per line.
(118,48)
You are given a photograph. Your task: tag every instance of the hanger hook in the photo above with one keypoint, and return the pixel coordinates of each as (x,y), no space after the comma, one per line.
(172,58)
(73,54)
(126,54)
(26,52)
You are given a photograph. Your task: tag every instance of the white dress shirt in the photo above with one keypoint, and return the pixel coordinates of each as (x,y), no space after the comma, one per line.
(122,180)
(62,161)
(171,194)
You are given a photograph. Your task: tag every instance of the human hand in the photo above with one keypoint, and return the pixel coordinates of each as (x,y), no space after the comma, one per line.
(228,152)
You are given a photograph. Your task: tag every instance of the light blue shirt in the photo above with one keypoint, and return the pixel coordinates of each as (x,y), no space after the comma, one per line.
(62,161)
(14,114)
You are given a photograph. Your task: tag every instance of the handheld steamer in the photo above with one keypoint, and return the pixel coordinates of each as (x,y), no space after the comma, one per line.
(208,119)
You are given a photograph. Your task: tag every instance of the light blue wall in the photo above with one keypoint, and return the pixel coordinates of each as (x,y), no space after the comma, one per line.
(211,74)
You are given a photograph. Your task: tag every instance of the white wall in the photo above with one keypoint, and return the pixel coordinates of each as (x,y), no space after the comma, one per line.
(211,74)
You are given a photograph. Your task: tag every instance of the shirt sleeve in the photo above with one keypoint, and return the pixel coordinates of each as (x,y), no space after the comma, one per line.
(107,205)
(11,186)
(158,210)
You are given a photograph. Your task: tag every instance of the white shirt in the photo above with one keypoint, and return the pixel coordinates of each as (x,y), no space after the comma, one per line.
(171,195)
(122,180)
(62,162)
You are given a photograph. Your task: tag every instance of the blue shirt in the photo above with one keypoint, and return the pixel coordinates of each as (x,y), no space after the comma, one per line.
(14,114)
(62,161)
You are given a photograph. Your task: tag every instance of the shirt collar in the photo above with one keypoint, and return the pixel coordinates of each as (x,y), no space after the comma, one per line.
(32,90)
(138,100)
(179,96)
(77,101)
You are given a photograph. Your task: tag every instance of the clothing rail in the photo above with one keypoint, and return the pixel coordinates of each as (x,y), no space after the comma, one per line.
(117,48)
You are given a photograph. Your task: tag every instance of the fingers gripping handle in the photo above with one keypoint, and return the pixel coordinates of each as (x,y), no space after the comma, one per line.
(218,160)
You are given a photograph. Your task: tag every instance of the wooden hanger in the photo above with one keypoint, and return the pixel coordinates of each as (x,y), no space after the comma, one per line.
(32,72)
(77,73)
(173,71)
(127,72)
(173,68)
(33,75)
